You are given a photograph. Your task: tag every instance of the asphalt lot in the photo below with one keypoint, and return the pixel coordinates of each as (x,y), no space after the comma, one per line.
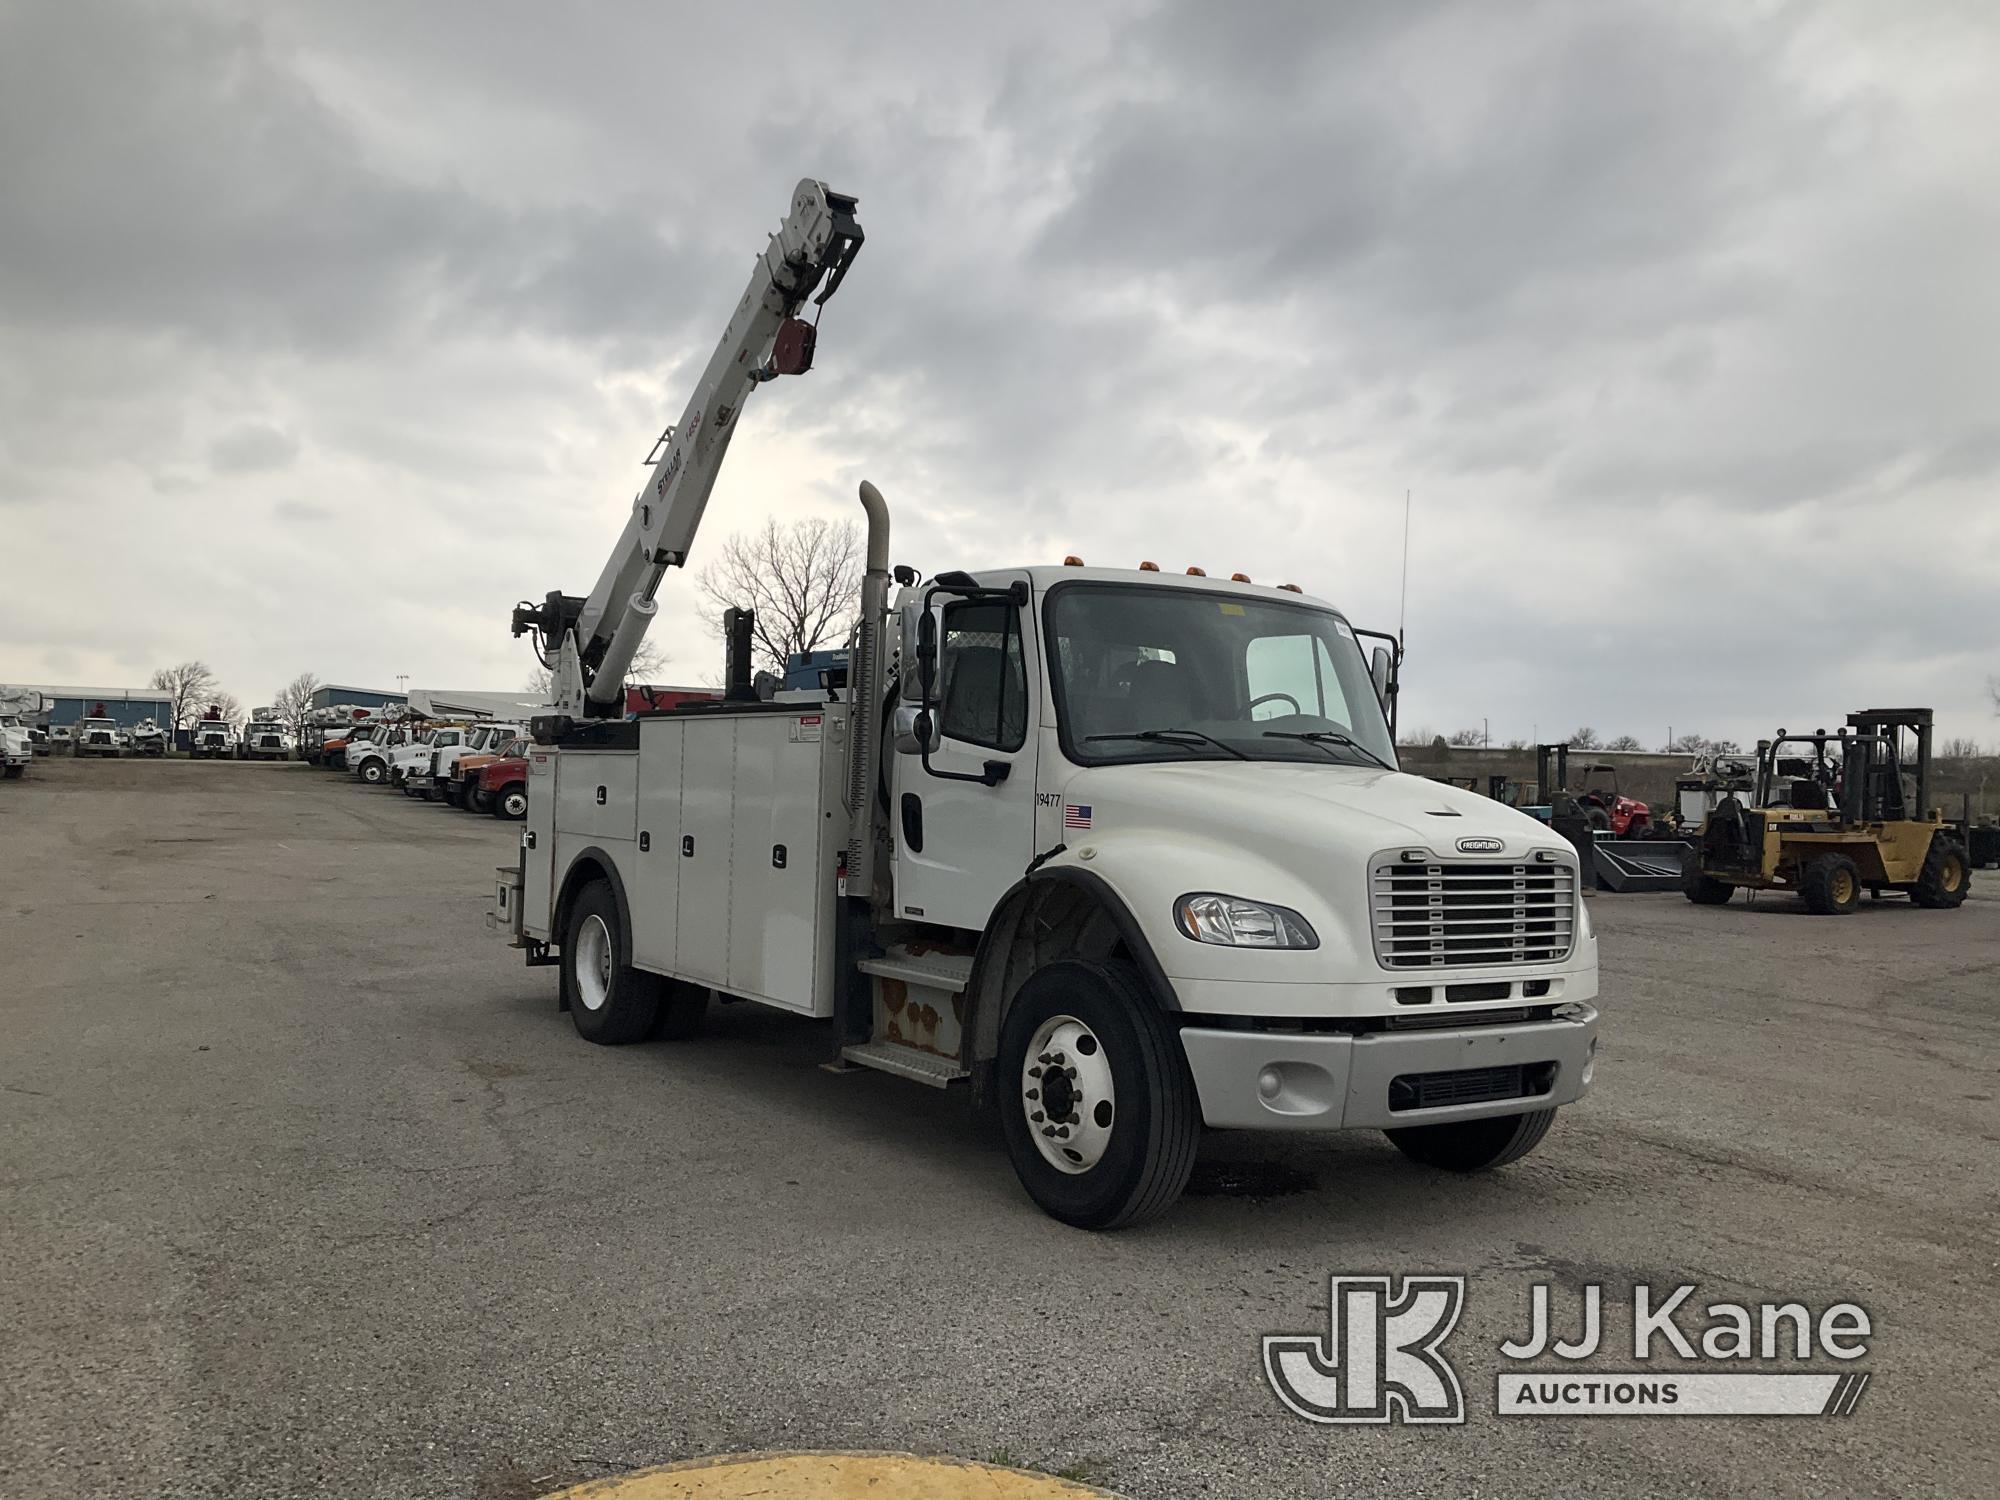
(306,1188)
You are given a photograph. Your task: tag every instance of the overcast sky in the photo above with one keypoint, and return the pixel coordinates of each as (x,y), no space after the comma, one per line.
(328,332)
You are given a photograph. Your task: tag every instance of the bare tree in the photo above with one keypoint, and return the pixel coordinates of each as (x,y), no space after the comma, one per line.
(188,688)
(646,664)
(1701,744)
(1624,742)
(1959,748)
(1467,738)
(1517,743)
(802,580)
(294,702)
(1583,737)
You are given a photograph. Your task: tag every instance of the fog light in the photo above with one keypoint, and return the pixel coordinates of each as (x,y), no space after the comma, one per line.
(1269,1083)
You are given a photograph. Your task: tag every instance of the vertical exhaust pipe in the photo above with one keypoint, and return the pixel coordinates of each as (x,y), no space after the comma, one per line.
(866,674)
(739,630)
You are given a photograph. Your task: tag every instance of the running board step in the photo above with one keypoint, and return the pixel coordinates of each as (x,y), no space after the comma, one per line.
(906,1062)
(936,971)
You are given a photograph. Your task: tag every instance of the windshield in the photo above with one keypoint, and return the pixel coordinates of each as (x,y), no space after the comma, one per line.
(1239,676)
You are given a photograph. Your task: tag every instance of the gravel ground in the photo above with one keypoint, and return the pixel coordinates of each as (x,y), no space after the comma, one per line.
(306,1189)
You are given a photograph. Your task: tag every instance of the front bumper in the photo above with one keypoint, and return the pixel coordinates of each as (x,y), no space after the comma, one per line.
(1276,1080)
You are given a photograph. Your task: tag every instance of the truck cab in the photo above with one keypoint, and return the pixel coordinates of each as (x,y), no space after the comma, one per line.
(265,737)
(413,757)
(368,750)
(213,739)
(93,736)
(16,748)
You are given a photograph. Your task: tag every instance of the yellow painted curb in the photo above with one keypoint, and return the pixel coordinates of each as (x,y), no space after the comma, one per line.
(828,1476)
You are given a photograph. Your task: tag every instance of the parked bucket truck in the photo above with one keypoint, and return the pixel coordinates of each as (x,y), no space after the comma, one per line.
(1126,852)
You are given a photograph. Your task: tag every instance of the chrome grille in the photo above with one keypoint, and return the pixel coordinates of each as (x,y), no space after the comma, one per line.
(1447,913)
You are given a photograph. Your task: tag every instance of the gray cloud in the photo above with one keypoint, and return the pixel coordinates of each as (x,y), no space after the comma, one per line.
(1665,315)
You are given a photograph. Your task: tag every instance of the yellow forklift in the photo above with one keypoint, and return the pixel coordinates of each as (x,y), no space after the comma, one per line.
(1829,816)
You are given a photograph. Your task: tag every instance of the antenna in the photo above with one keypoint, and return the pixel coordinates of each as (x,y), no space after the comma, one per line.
(1403,603)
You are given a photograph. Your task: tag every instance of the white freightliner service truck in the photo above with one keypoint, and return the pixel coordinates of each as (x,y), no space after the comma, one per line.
(1126,851)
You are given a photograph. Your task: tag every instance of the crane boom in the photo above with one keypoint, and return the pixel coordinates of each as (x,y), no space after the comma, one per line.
(592,639)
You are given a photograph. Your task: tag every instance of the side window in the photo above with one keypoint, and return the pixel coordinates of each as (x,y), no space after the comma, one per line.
(1281,670)
(982,676)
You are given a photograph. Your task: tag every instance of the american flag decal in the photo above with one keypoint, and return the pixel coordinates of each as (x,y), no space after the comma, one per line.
(1076,815)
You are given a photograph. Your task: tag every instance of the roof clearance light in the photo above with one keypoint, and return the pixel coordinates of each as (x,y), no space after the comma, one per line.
(1239,577)
(1072,561)
(1291,588)
(1197,573)
(1149,567)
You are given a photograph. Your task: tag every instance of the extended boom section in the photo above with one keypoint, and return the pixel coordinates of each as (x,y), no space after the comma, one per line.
(588,643)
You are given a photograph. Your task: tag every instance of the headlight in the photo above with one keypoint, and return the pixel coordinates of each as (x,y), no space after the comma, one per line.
(1231,922)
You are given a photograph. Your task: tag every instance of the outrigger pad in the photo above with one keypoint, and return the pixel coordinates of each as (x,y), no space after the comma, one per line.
(1630,865)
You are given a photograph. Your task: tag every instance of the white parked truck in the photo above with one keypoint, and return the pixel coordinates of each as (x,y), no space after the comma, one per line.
(212,739)
(17,751)
(148,738)
(97,737)
(1125,851)
(265,737)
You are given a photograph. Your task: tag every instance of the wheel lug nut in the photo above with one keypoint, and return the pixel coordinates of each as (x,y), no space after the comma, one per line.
(1037,1117)
(1070,1071)
(1063,1132)
(1058,1059)
(1034,1093)
(1034,1072)
(1048,1130)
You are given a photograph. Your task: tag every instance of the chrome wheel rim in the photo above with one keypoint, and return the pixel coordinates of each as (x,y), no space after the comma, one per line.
(1068,1096)
(591,964)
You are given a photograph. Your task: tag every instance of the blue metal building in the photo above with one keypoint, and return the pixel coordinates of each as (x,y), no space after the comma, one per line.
(126,705)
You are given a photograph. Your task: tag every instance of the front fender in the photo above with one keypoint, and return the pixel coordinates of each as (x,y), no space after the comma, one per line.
(1150,870)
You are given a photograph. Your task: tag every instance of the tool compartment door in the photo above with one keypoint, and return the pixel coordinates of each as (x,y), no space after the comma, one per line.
(656,864)
(778,886)
(708,778)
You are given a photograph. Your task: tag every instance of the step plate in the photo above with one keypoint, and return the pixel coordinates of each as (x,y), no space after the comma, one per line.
(905,1062)
(943,971)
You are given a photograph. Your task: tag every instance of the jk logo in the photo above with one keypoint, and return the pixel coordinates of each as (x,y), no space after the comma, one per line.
(1381,1363)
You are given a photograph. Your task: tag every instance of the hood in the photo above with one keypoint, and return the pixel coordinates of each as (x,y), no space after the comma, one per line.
(1356,807)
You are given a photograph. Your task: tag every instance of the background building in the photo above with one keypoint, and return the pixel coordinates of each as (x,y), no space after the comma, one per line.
(126,705)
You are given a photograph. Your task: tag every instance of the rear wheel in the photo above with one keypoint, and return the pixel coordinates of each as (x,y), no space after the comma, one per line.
(1474,1145)
(610,1002)
(1830,885)
(1946,878)
(1097,1106)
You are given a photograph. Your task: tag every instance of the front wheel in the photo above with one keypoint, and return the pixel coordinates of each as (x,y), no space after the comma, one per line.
(512,803)
(1097,1105)
(477,801)
(372,772)
(1830,885)
(1474,1145)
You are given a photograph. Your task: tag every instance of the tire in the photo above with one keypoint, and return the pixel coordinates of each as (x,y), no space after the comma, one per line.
(477,801)
(1474,1145)
(1946,877)
(1830,886)
(15,773)
(372,772)
(1598,819)
(683,1011)
(610,1002)
(1135,1143)
(1706,890)
(511,802)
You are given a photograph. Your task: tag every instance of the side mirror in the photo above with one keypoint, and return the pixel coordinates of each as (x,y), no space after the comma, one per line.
(916,729)
(1380,665)
(927,656)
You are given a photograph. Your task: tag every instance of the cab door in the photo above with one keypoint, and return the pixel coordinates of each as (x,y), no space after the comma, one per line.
(964,816)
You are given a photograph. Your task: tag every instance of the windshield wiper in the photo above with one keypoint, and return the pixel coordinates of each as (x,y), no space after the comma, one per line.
(1325,737)
(1185,738)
